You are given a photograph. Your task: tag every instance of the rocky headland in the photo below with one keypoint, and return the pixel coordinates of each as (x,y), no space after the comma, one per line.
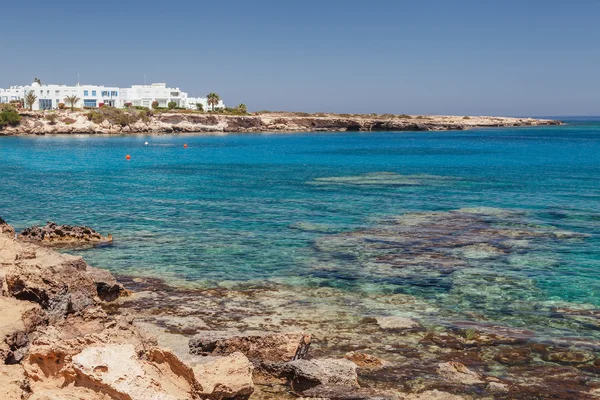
(136,121)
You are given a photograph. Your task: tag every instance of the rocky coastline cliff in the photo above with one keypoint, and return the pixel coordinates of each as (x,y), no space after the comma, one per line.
(69,122)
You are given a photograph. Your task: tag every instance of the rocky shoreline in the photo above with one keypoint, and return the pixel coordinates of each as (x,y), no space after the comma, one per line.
(79,122)
(71,331)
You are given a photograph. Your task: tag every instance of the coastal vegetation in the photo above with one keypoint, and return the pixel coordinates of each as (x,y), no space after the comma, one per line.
(72,100)
(213,100)
(116,116)
(30,99)
(52,117)
(9,116)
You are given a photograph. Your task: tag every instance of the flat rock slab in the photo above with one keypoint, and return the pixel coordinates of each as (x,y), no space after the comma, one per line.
(397,323)
(264,346)
(308,374)
(227,377)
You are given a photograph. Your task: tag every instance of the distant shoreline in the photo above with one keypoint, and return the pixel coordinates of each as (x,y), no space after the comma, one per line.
(140,122)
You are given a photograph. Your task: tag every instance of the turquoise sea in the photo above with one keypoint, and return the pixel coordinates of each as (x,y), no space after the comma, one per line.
(280,207)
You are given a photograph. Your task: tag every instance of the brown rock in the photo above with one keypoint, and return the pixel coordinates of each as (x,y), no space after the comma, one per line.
(6,229)
(117,371)
(513,356)
(19,319)
(459,373)
(63,235)
(569,356)
(13,382)
(227,377)
(364,360)
(307,374)
(275,347)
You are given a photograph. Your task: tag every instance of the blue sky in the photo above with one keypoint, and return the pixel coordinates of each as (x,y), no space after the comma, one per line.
(507,57)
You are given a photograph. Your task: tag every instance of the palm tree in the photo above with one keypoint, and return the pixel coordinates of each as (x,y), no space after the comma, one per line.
(213,100)
(37,80)
(243,108)
(72,100)
(30,99)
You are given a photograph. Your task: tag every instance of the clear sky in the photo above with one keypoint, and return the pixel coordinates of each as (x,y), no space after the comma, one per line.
(503,57)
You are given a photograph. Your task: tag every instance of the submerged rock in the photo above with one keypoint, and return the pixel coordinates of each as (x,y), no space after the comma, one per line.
(263,346)
(397,323)
(364,360)
(458,372)
(64,235)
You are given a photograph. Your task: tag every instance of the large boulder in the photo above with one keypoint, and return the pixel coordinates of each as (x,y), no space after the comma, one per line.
(227,377)
(264,346)
(61,284)
(57,282)
(119,372)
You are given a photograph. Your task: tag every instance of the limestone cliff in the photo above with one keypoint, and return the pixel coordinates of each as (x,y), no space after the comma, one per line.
(66,122)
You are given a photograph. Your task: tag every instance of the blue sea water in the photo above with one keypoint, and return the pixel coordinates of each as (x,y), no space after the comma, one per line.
(251,207)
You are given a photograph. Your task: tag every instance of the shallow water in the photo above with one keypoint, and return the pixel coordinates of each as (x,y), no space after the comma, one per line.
(257,208)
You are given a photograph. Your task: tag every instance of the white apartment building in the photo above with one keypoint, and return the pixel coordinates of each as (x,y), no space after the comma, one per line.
(92,96)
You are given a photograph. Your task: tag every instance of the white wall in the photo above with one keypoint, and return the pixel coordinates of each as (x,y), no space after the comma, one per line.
(138,95)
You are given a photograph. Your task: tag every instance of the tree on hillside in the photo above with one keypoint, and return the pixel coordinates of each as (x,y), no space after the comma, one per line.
(199,107)
(213,100)
(72,100)
(243,108)
(38,81)
(30,99)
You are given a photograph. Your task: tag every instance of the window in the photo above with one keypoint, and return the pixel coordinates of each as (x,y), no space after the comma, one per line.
(104,93)
(85,93)
(45,104)
(93,92)
(114,94)
(174,94)
(89,103)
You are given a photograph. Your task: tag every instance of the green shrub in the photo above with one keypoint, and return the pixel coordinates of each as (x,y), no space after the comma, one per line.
(171,105)
(52,117)
(9,117)
(96,117)
(61,106)
(199,107)
(466,117)
(155,104)
(404,116)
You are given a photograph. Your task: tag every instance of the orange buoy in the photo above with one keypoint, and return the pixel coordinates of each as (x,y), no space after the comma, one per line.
(128,157)
(185,146)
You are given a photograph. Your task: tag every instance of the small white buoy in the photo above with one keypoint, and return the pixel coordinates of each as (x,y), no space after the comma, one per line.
(146,143)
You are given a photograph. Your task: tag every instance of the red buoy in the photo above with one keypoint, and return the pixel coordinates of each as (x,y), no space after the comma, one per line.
(128,157)
(185,146)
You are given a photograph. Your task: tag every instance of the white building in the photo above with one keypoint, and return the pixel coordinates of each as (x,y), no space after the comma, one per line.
(92,96)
